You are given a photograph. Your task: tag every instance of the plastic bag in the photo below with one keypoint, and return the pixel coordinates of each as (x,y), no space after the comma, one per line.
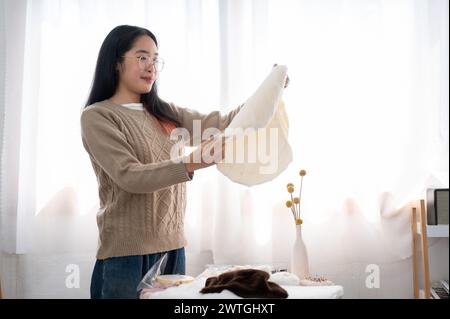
(149,280)
(155,280)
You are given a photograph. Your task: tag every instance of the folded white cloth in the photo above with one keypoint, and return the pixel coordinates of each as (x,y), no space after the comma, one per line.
(284,278)
(257,148)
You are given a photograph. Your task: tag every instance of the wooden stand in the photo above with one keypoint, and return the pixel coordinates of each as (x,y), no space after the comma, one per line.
(423,240)
(414,254)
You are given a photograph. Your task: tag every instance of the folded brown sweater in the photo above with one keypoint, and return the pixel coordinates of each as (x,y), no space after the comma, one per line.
(247,283)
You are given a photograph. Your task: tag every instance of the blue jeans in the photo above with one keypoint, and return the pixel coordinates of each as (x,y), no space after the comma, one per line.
(118,277)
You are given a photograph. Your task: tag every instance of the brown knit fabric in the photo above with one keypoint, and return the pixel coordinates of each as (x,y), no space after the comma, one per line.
(247,283)
(141,189)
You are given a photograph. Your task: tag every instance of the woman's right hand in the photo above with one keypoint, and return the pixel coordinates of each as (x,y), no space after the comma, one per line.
(208,153)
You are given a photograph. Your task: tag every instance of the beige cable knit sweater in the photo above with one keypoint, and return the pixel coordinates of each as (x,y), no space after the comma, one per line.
(142,191)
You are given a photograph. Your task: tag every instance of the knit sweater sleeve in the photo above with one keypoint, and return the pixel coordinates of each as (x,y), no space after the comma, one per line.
(107,145)
(213,119)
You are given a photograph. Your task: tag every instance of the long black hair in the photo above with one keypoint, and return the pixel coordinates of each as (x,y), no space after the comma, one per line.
(106,77)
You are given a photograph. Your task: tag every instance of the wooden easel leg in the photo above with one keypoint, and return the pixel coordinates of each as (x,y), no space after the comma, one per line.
(414,253)
(426,271)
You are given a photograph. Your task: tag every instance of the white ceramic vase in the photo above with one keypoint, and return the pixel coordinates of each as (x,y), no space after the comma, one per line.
(299,257)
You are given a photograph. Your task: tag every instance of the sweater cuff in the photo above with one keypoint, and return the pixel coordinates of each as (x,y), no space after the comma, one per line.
(180,173)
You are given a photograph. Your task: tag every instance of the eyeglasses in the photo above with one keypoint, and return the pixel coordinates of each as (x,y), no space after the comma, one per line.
(145,61)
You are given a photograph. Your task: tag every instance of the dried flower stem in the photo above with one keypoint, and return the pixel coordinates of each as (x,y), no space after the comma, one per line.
(300,195)
(295,208)
(293,211)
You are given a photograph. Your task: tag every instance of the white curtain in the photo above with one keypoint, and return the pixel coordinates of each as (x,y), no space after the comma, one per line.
(368,112)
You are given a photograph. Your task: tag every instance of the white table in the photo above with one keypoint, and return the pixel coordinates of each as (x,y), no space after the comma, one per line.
(192,291)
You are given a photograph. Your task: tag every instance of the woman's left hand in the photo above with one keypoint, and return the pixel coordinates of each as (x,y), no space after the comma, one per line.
(287,78)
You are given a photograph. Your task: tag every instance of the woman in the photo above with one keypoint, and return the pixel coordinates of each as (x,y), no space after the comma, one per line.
(126,131)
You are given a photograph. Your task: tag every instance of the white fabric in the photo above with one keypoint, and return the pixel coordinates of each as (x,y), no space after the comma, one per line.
(280,277)
(285,278)
(134,106)
(264,114)
(216,270)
